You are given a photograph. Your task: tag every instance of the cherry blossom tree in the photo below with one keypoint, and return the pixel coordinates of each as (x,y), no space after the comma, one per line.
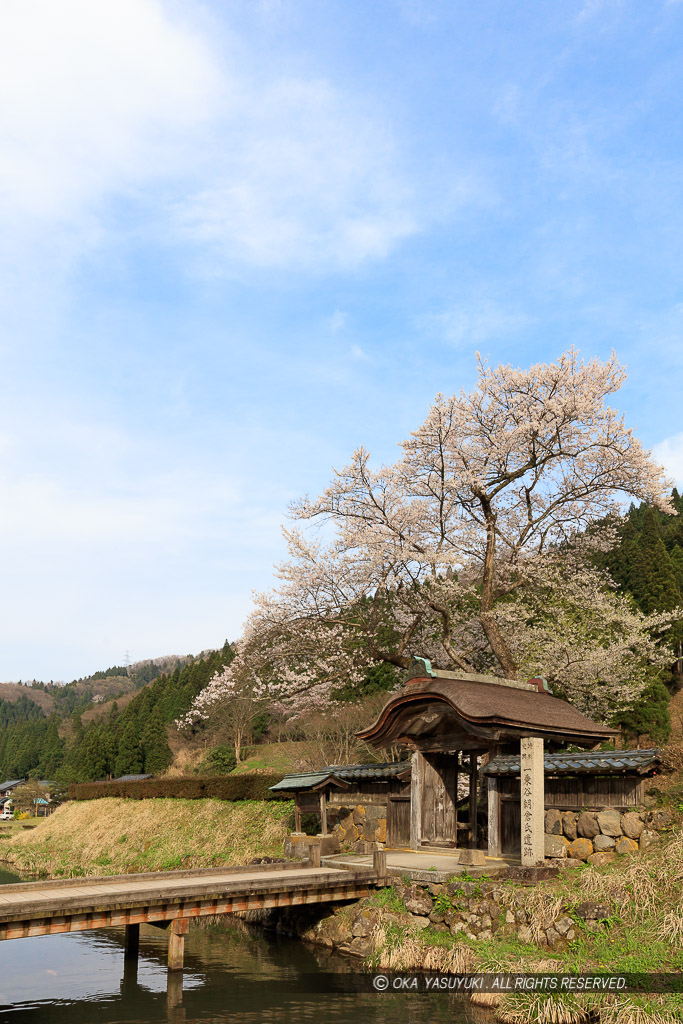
(471,549)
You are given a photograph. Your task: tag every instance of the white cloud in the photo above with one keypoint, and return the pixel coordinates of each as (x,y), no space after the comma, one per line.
(593,8)
(95,99)
(122,100)
(670,453)
(302,176)
(337,321)
(470,325)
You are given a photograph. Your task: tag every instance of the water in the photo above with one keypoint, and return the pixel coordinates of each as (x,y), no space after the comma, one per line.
(233,973)
(6,877)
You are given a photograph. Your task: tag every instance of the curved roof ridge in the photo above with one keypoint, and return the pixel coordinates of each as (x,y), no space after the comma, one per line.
(498,708)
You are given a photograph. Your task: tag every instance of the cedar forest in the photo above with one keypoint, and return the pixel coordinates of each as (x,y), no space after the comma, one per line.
(646,563)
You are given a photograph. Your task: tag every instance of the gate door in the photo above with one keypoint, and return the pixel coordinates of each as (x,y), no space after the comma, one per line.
(398,821)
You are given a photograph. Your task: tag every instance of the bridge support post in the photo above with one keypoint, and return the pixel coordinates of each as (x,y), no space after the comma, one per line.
(132,941)
(379,863)
(174,992)
(129,981)
(176,943)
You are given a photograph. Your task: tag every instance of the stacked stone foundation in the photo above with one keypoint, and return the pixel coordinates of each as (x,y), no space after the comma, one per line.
(600,836)
(359,828)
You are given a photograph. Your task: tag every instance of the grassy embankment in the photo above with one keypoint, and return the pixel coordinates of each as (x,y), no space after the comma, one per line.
(112,836)
(642,932)
(287,756)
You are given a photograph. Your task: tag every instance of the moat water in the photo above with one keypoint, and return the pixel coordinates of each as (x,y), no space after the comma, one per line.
(233,972)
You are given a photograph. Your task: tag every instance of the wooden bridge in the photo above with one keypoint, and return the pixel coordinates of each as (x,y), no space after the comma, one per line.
(171,899)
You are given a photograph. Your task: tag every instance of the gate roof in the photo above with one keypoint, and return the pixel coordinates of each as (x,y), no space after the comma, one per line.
(490,710)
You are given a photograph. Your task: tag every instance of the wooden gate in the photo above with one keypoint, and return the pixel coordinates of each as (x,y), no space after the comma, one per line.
(398,821)
(439,789)
(510,827)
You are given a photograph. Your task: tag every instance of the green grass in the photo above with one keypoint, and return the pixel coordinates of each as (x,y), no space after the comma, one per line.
(389,899)
(287,756)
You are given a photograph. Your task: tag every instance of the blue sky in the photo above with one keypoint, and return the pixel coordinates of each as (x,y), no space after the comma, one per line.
(238,239)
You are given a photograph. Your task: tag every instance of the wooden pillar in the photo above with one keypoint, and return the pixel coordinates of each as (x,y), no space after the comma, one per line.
(297,814)
(129,982)
(416,791)
(474,831)
(132,942)
(323,812)
(174,995)
(456,758)
(176,943)
(379,863)
(494,842)
(314,855)
(533,801)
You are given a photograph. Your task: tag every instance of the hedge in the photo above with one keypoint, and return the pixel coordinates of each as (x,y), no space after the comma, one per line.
(221,787)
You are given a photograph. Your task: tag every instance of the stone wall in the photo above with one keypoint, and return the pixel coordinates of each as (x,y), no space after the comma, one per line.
(353,828)
(358,828)
(298,845)
(475,910)
(598,836)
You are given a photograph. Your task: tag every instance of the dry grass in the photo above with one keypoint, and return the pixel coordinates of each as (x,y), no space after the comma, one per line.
(643,897)
(112,836)
(626,1011)
(489,1000)
(671,928)
(536,1008)
(643,884)
(410,954)
(542,906)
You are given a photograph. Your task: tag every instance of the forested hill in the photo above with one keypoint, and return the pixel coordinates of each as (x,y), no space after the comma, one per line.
(648,560)
(647,563)
(74,738)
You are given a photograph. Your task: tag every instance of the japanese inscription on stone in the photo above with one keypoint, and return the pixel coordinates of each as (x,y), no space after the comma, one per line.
(532,800)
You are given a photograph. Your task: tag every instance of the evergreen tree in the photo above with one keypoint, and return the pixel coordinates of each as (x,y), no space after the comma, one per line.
(650,716)
(652,580)
(127,741)
(156,751)
(129,758)
(676,557)
(52,753)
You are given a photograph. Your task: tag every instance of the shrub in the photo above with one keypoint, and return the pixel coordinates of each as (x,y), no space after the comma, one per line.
(219,761)
(221,787)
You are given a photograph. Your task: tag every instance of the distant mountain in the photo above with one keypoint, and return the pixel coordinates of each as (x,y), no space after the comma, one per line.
(13,691)
(112,722)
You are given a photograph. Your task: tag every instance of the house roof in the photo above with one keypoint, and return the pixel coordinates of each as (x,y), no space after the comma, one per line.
(490,709)
(10,784)
(372,772)
(306,781)
(341,776)
(133,778)
(593,762)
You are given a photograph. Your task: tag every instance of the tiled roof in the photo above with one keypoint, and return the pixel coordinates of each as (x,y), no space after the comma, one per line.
(4,786)
(348,773)
(133,778)
(587,761)
(373,772)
